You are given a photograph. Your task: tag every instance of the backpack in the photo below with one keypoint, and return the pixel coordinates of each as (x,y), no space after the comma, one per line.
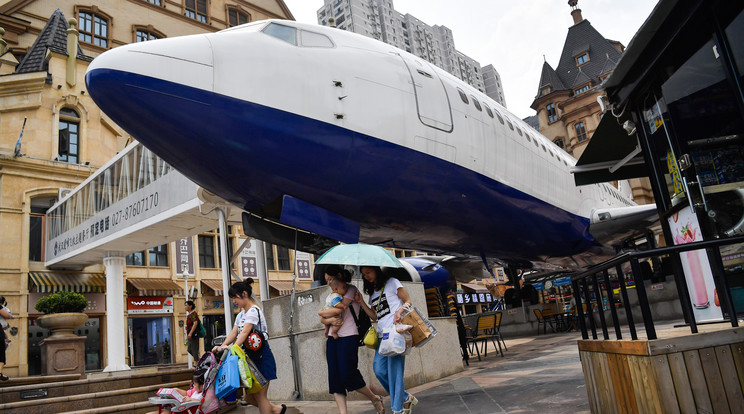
(363,323)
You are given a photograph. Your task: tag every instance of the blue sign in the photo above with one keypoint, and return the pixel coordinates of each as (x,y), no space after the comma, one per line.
(562,281)
(538,285)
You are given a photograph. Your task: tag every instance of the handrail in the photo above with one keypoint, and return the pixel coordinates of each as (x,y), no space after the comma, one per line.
(580,285)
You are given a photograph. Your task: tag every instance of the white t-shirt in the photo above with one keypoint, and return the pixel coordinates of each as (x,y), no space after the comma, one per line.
(251,316)
(389,305)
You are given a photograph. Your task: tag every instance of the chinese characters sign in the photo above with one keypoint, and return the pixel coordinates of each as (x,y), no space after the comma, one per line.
(185,256)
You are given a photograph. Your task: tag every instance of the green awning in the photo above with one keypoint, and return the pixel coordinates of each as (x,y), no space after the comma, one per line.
(611,155)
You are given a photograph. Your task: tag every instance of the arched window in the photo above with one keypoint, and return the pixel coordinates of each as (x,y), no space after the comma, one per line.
(196,9)
(236,17)
(69,136)
(559,143)
(93,26)
(145,33)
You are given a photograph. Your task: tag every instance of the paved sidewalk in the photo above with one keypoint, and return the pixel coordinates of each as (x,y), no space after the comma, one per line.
(540,374)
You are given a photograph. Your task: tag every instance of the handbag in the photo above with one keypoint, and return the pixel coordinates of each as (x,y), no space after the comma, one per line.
(228,377)
(202,332)
(363,324)
(370,338)
(255,340)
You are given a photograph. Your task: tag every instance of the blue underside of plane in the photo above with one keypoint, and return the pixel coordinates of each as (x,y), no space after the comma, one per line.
(252,155)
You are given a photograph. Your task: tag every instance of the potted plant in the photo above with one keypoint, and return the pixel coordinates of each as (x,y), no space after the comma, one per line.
(63,312)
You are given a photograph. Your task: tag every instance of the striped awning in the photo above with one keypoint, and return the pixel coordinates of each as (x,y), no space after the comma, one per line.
(155,287)
(49,282)
(284,288)
(213,285)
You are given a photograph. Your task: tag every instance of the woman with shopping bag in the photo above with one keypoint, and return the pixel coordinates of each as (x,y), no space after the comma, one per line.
(342,353)
(249,333)
(387,297)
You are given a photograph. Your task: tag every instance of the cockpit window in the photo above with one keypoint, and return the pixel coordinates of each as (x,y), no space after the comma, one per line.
(312,39)
(281,32)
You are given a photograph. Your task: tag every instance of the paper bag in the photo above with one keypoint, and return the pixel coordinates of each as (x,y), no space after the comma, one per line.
(422,330)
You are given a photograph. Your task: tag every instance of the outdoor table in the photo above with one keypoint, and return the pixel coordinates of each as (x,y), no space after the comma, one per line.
(563,321)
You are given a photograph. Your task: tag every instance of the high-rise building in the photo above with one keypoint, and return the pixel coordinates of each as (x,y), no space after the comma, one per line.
(379,20)
(492,83)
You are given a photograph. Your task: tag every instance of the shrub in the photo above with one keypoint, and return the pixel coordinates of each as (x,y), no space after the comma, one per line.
(62,302)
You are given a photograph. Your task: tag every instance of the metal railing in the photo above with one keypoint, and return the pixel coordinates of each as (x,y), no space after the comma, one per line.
(600,275)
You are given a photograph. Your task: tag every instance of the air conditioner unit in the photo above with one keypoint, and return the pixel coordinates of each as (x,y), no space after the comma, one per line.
(63,192)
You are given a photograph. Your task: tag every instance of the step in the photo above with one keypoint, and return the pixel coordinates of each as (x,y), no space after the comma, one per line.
(94,400)
(35,388)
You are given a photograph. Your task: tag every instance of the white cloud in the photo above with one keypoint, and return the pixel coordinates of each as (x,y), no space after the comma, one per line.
(513,35)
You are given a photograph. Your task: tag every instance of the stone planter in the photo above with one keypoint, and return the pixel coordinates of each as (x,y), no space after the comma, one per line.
(62,324)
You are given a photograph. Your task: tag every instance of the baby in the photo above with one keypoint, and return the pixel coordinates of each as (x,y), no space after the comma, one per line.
(332,302)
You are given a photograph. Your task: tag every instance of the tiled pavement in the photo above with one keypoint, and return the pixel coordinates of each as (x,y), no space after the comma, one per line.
(540,374)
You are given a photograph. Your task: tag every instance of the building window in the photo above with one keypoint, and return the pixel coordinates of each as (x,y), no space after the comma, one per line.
(282,258)
(93,28)
(580,131)
(155,2)
(159,256)
(236,17)
(206,251)
(229,249)
(69,136)
(196,9)
(552,116)
(143,35)
(270,257)
(580,60)
(136,259)
(559,143)
(36,228)
(581,90)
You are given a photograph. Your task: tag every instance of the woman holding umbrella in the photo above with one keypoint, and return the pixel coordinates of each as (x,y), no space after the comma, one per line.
(387,297)
(342,354)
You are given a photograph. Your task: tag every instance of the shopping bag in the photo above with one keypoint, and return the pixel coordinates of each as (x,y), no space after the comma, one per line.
(422,330)
(246,381)
(202,331)
(228,377)
(259,381)
(392,342)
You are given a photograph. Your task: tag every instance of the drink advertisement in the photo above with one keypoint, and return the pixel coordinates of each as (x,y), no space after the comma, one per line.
(686,229)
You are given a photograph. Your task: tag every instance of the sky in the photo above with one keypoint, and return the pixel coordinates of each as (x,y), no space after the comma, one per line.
(512,35)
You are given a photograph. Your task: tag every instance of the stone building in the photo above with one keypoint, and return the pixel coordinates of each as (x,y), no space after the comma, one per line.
(566,101)
(52,137)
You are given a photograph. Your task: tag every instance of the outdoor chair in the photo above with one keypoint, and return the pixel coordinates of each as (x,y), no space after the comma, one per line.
(485,329)
(497,333)
(544,320)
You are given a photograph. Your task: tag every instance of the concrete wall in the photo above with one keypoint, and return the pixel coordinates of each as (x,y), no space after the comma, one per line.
(423,365)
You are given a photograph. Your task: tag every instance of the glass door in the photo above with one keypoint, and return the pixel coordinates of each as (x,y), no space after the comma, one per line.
(151,340)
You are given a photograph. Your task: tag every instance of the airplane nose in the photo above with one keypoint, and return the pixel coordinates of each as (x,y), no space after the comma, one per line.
(155,87)
(185,60)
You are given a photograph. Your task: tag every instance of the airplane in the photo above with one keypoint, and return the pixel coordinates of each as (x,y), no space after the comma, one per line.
(334,134)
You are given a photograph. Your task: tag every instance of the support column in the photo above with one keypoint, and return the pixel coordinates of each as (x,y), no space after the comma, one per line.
(115,329)
(225,265)
(262,269)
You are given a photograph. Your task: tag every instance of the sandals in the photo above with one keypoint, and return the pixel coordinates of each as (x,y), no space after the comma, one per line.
(4,377)
(411,401)
(375,403)
(284,409)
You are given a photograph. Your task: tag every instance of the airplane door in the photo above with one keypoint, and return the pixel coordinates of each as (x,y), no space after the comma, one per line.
(431,99)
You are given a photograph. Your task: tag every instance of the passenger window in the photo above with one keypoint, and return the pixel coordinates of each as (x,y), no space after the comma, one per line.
(312,39)
(498,115)
(462,95)
(519,131)
(488,111)
(543,147)
(281,32)
(476,103)
(510,125)
(528,137)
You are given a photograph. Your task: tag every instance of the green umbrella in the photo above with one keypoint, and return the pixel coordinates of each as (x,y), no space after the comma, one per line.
(359,255)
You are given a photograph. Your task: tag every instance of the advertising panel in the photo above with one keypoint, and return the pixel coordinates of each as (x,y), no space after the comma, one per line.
(149,304)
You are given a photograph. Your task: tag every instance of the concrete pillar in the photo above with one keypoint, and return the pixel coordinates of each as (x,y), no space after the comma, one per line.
(115,329)
(225,265)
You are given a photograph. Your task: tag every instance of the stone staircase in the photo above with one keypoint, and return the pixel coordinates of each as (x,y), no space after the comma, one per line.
(120,392)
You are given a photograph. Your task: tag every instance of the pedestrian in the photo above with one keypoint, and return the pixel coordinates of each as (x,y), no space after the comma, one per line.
(386,301)
(342,353)
(192,329)
(249,317)
(5,314)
